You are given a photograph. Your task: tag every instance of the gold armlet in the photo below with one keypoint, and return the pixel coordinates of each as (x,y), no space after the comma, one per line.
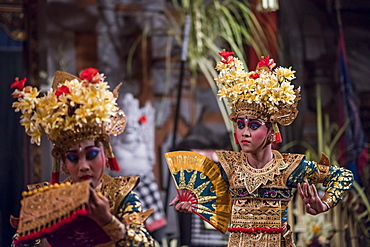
(115,229)
(326,199)
(323,165)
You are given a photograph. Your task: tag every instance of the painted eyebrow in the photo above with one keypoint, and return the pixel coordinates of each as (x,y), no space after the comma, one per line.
(75,150)
(249,119)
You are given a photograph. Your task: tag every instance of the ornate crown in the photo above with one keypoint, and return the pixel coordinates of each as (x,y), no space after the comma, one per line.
(75,109)
(265,93)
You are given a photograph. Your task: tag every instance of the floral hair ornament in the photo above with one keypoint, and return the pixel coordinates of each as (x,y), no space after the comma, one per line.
(265,93)
(74,110)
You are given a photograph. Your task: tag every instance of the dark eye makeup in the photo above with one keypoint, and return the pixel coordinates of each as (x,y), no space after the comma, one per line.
(90,154)
(253,124)
(72,158)
(240,123)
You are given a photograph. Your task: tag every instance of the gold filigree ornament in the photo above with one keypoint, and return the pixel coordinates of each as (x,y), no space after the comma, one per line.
(74,110)
(59,213)
(252,178)
(199,181)
(265,93)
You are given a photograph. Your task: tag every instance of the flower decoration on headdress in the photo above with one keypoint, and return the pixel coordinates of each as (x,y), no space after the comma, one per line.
(74,103)
(266,86)
(266,93)
(74,110)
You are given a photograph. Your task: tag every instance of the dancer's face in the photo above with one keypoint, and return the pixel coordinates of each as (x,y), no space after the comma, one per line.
(86,161)
(251,133)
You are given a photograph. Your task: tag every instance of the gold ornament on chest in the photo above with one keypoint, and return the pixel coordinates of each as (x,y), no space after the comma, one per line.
(251,178)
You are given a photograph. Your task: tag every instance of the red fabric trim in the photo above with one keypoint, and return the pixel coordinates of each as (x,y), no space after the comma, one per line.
(54,178)
(156,224)
(45,231)
(256,230)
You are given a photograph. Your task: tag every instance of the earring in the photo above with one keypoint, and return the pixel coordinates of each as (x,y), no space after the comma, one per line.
(65,170)
(236,139)
(271,138)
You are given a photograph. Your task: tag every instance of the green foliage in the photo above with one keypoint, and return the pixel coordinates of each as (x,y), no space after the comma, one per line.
(328,135)
(328,143)
(214,25)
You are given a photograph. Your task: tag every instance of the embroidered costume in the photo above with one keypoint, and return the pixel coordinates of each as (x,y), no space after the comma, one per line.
(259,197)
(127,225)
(126,207)
(77,110)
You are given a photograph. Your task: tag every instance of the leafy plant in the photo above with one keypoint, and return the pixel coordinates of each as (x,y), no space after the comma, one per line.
(214,25)
(328,135)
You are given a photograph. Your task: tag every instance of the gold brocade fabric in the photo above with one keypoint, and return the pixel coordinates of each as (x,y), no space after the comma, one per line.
(238,239)
(116,190)
(242,175)
(128,219)
(252,178)
(36,214)
(250,213)
(127,227)
(253,209)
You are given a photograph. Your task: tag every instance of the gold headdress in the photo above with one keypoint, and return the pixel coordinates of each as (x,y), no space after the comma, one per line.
(265,93)
(75,109)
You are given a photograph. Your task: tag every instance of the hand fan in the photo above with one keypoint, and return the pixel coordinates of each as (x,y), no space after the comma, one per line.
(199,181)
(59,214)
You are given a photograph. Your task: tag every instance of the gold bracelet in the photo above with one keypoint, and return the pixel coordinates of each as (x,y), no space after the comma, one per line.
(327,205)
(113,219)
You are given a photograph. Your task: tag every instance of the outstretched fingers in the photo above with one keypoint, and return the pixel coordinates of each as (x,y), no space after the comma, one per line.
(175,200)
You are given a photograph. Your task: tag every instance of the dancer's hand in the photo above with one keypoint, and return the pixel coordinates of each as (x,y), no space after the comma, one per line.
(310,197)
(184,207)
(99,208)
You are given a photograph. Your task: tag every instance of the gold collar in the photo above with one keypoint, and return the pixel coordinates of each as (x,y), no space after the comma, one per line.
(254,178)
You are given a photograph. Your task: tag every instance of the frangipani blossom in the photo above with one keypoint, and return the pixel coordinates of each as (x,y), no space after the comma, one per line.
(74,103)
(266,86)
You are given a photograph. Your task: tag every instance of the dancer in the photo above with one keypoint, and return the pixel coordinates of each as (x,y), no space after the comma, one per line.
(78,115)
(259,179)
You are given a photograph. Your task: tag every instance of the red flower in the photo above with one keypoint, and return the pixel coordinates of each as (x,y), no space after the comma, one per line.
(88,74)
(267,62)
(254,76)
(62,90)
(142,120)
(19,83)
(226,54)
